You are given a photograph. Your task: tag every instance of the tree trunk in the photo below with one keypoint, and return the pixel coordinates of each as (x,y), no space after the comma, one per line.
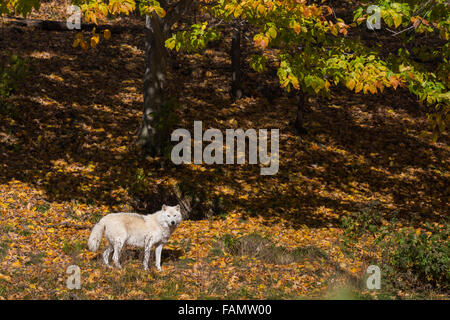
(302,100)
(151,134)
(236,88)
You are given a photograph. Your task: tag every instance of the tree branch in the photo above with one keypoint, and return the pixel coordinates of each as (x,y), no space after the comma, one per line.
(62,25)
(68,225)
(176,11)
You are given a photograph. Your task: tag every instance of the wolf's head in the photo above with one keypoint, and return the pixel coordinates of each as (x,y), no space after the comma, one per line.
(171,215)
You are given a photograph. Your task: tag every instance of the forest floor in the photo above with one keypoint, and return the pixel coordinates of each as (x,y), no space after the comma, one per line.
(66,161)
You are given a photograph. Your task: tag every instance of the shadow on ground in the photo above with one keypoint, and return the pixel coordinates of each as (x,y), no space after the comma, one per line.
(76,116)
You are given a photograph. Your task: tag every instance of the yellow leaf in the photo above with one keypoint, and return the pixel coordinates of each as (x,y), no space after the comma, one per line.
(84,45)
(359,87)
(95,40)
(5,277)
(237,11)
(136,293)
(261,9)
(107,34)
(397,19)
(334,30)
(76,43)
(160,12)
(366,88)
(351,84)
(394,82)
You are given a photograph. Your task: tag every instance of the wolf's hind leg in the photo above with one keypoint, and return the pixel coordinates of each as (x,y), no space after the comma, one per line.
(118,244)
(107,253)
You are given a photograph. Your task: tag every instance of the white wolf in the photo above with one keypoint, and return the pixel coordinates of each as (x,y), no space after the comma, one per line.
(137,230)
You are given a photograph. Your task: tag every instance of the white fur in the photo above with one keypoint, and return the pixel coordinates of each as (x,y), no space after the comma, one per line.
(136,230)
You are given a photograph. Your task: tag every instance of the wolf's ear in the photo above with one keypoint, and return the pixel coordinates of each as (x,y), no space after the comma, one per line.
(177,207)
(164,207)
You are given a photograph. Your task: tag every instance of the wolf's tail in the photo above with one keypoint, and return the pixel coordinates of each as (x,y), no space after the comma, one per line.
(96,236)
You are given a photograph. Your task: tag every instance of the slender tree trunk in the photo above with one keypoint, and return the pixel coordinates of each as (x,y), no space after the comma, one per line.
(236,85)
(150,134)
(302,100)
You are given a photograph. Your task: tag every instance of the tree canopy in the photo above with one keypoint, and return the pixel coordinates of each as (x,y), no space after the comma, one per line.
(313,49)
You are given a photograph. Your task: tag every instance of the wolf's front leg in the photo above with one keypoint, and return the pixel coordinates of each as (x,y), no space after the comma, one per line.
(158,256)
(147,249)
(118,244)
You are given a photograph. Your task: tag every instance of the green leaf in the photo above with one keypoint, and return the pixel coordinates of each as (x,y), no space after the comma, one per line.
(170,43)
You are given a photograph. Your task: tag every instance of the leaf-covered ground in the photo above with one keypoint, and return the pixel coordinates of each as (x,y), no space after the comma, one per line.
(66,161)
